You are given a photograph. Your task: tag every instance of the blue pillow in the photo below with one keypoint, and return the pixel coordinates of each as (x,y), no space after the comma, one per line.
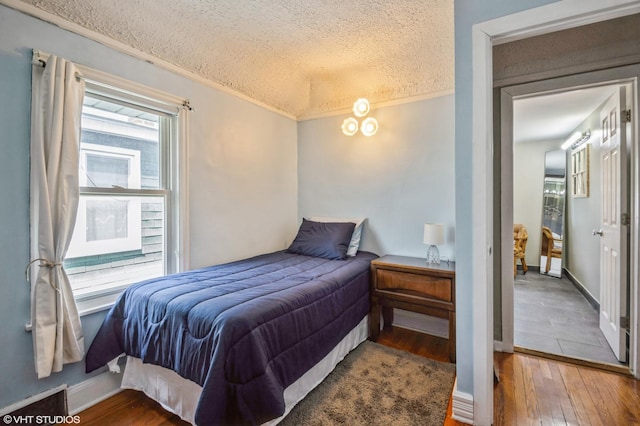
(329,240)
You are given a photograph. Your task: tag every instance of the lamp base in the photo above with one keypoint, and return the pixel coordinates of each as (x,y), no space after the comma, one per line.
(433,255)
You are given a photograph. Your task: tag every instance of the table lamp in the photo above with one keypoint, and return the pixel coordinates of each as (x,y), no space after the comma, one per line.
(433,236)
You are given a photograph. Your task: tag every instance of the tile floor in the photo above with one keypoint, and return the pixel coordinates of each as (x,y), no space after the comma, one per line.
(552,316)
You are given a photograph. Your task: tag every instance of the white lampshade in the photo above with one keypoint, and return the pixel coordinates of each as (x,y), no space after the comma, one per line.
(361,107)
(433,234)
(350,126)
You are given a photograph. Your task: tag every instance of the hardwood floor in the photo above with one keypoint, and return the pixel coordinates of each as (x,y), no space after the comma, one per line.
(535,390)
(129,408)
(531,391)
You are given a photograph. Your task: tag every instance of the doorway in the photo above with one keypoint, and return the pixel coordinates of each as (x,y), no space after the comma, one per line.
(557,316)
(487,181)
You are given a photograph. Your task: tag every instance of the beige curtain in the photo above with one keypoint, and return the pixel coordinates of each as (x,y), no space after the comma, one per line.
(55,141)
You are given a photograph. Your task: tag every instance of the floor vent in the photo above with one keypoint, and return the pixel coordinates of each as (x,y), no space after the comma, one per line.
(44,411)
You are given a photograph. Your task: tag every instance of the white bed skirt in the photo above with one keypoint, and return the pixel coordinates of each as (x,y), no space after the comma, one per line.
(180,396)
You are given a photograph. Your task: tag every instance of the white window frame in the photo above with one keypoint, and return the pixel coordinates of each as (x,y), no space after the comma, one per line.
(133,156)
(79,245)
(175,176)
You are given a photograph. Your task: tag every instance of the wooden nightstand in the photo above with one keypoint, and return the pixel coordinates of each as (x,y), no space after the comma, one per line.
(411,284)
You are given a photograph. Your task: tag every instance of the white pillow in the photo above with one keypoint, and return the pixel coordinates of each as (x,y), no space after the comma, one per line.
(357,231)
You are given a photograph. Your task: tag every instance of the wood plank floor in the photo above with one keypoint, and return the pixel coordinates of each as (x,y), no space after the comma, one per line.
(531,391)
(540,391)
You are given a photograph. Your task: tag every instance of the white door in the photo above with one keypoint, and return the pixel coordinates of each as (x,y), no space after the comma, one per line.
(612,233)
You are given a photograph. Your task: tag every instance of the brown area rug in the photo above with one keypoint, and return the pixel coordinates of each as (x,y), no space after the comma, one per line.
(378,385)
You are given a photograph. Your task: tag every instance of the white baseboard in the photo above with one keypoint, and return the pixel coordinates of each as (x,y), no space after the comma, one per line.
(499,346)
(90,392)
(462,405)
(79,396)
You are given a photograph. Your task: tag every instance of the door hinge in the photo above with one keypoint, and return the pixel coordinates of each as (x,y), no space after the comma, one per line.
(624,323)
(625,219)
(625,116)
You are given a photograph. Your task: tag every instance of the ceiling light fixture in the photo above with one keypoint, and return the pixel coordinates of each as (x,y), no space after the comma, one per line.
(576,139)
(361,107)
(350,126)
(368,127)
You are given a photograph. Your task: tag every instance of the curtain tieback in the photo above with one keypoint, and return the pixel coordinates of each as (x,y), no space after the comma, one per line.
(43,262)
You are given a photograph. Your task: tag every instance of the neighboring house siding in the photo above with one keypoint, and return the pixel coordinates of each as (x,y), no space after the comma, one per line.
(148,161)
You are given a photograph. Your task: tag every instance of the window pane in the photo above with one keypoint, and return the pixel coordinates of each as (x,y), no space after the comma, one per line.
(120,146)
(103,171)
(121,247)
(107,224)
(107,219)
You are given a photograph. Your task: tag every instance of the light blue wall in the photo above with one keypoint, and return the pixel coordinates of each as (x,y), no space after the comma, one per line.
(466,14)
(399,179)
(235,171)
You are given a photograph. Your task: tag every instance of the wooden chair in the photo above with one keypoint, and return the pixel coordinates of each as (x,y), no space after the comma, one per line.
(549,248)
(520,237)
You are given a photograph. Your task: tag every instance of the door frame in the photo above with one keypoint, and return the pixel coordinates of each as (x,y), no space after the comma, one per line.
(528,23)
(615,76)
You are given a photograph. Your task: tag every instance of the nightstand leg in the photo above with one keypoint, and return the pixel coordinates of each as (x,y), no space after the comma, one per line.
(374,319)
(387,315)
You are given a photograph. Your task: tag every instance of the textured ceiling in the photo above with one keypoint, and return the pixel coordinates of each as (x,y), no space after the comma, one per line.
(303,57)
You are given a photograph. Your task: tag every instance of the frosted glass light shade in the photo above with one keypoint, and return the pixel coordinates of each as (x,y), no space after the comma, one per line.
(350,126)
(369,126)
(361,107)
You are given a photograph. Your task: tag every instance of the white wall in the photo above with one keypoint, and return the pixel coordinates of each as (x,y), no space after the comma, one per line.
(584,215)
(400,178)
(243,180)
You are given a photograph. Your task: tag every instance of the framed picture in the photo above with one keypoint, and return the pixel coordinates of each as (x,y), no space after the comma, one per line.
(580,171)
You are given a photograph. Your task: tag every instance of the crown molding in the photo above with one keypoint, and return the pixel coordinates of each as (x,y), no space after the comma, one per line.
(393,102)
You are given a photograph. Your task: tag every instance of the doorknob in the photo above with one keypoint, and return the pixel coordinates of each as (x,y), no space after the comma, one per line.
(594,232)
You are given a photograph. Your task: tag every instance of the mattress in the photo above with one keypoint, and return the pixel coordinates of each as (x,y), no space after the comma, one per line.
(243,331)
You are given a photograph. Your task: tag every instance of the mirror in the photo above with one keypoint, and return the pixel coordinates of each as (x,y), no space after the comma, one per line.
(553,205)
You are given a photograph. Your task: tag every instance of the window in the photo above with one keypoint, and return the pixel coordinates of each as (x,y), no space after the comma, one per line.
(580,171)
(106,224)
(129,207)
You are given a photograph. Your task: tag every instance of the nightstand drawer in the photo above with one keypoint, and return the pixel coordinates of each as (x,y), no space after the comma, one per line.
(439,288)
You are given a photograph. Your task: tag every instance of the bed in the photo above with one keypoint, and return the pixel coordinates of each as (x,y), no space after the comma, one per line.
(245,340)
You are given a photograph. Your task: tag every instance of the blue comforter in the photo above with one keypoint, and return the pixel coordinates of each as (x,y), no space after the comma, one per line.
(244,331)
